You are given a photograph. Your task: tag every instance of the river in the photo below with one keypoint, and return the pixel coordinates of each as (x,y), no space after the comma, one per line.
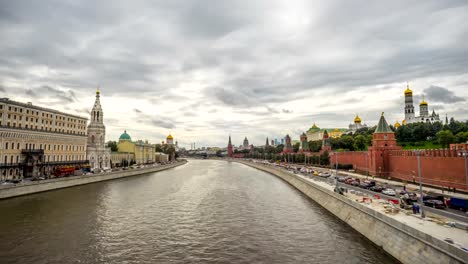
(203,212)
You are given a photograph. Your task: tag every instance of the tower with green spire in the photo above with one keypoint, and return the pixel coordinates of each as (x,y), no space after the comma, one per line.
(383,141)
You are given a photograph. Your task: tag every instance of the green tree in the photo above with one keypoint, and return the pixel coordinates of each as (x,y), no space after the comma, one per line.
(315,145)
(346,142)
(461,137)
(279,148)
(158,148)
(360,142)
(325,158)
(112,145)
(445,137)
(296,147)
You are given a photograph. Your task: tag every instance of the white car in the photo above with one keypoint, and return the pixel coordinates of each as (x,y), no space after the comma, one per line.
(389,192)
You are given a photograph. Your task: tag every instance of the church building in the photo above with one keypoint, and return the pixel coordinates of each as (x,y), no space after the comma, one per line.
(98,154)
(424,115)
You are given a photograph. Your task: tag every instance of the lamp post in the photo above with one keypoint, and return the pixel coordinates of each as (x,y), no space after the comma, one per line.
(418,155)
(464,153)
(336,169)
(367,165)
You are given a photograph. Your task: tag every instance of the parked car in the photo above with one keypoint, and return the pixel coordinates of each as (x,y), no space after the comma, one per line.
(341,178)
(350,180)
(355,183)
(367,184)
(389,192)
(435,204)
(376,188)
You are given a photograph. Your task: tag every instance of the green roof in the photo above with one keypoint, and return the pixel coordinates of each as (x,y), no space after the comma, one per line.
(382,126)
(125,136)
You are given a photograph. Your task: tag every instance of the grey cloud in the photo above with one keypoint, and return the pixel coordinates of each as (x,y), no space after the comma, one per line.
(250,58)
(443,95)
(137,111)
(45,91)
(162,123)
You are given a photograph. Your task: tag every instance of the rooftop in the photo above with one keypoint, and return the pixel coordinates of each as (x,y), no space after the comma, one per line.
(31,106)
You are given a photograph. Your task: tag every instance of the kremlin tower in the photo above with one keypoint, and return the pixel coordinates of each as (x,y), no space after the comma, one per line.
(383,141)
(229,148)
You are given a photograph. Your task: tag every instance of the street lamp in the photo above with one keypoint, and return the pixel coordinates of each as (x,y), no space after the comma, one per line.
(336,169)
(367,166)
(464,153)
(418,155)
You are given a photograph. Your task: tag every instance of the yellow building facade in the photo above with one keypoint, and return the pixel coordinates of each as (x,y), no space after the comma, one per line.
(138,152)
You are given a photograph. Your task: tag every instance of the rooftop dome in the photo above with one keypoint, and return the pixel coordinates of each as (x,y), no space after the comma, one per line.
(170,137)
(314,128)
(125,136)
(396,125)
(357,119)
(408,90)
(423,103)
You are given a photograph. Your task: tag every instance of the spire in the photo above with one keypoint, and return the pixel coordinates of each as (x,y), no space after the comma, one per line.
(229,143)
(267,143)
(423,101)
(446,119)
(408,90)
(96,112)
(382,126)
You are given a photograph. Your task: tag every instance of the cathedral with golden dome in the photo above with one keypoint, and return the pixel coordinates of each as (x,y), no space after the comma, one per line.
(424,115)
(357,125)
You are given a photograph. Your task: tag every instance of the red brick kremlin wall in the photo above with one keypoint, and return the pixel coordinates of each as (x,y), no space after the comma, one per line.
(441,167)
(358,159)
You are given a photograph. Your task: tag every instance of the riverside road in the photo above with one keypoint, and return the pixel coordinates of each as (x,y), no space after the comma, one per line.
(206,211)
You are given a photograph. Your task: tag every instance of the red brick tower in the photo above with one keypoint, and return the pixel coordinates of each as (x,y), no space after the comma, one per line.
(383,140)
(229,148)
(287,145)
(325,142)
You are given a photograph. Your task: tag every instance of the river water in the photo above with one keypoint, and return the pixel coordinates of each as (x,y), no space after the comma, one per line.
(202,212)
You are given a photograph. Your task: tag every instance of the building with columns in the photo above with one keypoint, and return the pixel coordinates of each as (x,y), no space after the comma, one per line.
(97,153)
(37,140)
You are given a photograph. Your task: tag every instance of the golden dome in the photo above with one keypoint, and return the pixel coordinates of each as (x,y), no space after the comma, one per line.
(397,125)
(97,91)
(404,122)
(408,90)
(169,137)
(357,119)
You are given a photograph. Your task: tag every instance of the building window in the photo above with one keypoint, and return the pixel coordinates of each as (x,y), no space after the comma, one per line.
(6,145)
(18,146)
(12,145)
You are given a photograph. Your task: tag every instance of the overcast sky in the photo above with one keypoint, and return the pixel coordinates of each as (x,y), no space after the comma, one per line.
(202,70)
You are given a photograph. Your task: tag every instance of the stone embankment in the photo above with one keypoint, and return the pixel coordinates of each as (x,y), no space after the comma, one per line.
(53,184)
(401,240)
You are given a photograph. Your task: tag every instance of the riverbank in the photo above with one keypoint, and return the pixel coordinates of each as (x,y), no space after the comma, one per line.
(60,183)
(405,237)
